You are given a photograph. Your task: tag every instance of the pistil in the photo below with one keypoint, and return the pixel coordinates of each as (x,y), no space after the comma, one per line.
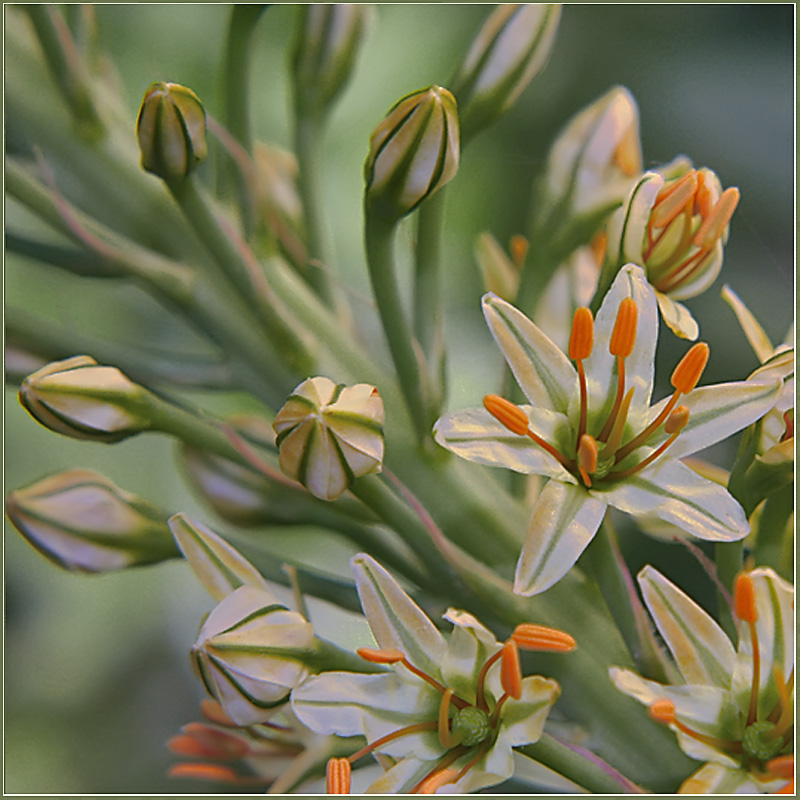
(675,423)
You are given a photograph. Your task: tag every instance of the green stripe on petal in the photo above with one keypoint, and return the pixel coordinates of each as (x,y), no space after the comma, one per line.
(564,521)
(671,491)
(543,372)
(219,567)
(702,650)
(395,619)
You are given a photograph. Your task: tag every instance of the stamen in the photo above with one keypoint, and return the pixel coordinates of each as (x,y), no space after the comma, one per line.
(784,718)
(205,772)
(417,727)
(518,247)
(375,656)
(781,766)
(675,423)
(213,712)
(443,764)
(540,638)
(445,739)
(745,603)
(714,224)
(198,739)
(510,670)
(507,414)
(581,337)
(337,776)
(515,419)
(690,368)
(615,437)
(702,199)
(587,458)
(441,778)
(663,711)
(480,692)
(472,762)
(672,200)
(623,337)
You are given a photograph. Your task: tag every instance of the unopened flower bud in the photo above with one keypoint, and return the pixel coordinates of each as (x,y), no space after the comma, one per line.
(329,435)
(82,399)
(249,654)
(501,274)
(82,521)
(511,48)
(171,129)
(413,152)
(595,158)
(675,229)
(327,44)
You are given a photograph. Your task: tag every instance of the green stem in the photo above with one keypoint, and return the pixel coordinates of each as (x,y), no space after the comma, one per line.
(427,275)
(774,539)
(379,236)
(243,271)
(589,773)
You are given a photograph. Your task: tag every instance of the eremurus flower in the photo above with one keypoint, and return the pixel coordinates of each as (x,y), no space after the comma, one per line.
(448,710)
(591,430)
(734,709)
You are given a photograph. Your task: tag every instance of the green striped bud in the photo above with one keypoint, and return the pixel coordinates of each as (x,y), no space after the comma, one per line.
(511,48)
(330,434)
(249,654)
(79,398)
(413,152)
(171,129)
(82,521)
(325,51)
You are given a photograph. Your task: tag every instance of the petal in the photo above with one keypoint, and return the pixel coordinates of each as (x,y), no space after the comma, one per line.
(755,334)
(522,721)
(353,704)
(468,648)
(702,650)
(395,619)
(719,779)
(601,366)
(543,372)
(476,435)
(403,776)
(716,412)
(673,492)
(564,520)
(678,318)
(775,631)
(701,707)
(219,567)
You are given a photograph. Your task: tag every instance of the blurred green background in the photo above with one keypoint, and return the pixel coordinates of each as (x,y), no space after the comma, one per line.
(96,669)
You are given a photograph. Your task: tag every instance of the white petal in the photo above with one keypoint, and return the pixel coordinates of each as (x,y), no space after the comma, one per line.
(476,435)
(678,317)
(522,720)
(468,648)
(755,334)
(543,372)
(719,779)
(395,619)
(564,520)
(702,650)
(671,491)
(716,412)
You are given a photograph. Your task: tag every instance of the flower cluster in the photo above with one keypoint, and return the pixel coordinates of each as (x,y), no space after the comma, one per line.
(383,616)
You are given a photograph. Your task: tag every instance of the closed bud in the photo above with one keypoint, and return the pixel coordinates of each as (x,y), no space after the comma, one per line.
(511,48)
(413,152)
(330,434)
(249,654)
(596,158)
(82,521)
(501,274)
(171,129)
(82,399)
(327,44)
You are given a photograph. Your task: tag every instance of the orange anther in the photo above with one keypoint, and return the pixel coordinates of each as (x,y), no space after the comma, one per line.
(714,224)
(690,368)
(206,772)
(744,594)
(581,337)
(781,766)
(209,742)
(543,639)
(703,202)
(510,670)
(662,711)
(673,198)
(438,779)
(677,420)
(375,656)
(505,412)
(518,247)
(213,712)
(587,454)
(337,776)
(623,336)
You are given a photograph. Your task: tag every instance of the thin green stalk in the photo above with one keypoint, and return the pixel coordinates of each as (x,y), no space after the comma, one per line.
(774,536)
(427,275)
(379,237)
(590,773)
(729,558)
